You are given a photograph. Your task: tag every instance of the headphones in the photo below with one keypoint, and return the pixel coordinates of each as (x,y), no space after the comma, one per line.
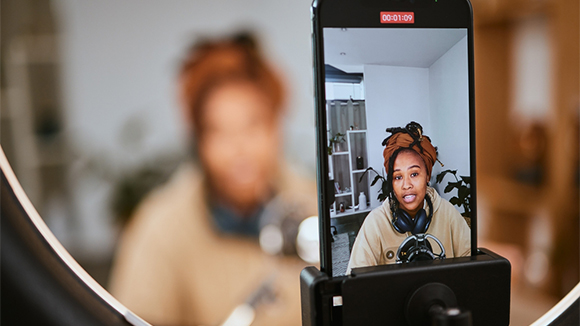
(403,223)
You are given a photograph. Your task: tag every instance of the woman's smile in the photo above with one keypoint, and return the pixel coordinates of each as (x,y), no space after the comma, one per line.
(409,198)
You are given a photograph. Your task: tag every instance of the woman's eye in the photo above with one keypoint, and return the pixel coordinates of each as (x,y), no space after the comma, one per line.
(414,174)
(398,177)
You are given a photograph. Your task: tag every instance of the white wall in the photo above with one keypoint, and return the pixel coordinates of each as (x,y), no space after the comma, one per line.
(344,91)
(121,57)
(449,98)
(437,97)
(394,97)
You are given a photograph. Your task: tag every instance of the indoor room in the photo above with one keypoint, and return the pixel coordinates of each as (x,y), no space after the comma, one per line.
(104,121)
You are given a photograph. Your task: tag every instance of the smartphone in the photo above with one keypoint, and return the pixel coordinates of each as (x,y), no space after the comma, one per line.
(381,64)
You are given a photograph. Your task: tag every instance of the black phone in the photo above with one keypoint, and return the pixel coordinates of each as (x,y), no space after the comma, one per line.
(405,65)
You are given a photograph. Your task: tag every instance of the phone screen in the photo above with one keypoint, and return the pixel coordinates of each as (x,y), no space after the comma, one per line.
(403,194)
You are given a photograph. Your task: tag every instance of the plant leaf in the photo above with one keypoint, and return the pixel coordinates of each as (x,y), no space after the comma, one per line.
(451,185)
(364,173)
(463,192)
(375,180)
(442,175)
(384,187)
(455,201)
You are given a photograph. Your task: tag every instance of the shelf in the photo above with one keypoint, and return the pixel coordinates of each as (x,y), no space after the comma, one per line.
(355,131)
(348,212)
(342,163)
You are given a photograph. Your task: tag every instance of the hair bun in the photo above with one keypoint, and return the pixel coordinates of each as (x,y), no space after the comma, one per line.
(415,130)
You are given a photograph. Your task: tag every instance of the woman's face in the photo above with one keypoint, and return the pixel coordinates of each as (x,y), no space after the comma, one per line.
(410,181)
(239,144)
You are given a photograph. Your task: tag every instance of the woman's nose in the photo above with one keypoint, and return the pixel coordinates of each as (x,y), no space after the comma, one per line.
(407,183)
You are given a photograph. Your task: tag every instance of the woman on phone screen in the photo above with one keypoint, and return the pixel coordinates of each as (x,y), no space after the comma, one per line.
(412,206)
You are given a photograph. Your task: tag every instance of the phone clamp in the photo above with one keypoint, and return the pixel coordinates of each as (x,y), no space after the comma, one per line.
(471,290)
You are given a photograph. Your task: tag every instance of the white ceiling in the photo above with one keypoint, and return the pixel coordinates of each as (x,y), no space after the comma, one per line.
(387,46)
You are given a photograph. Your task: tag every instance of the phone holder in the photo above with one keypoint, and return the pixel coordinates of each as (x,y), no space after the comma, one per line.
(456,291)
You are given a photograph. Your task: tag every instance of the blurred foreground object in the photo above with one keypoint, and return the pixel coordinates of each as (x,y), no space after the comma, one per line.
(41,283)
(191,254)
(528,102)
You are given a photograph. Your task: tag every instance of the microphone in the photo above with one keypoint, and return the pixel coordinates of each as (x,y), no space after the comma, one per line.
(417,248)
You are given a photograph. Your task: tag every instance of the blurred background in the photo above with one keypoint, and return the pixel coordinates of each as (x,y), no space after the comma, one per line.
(90,121)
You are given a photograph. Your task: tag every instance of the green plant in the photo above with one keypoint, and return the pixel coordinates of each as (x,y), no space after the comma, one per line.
(338,138)
(463,196)
(383,192)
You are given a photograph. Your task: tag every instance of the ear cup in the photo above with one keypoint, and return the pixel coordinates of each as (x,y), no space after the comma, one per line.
(421,222)
(402,221)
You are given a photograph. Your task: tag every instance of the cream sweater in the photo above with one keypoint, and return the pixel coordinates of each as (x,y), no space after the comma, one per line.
(377,241)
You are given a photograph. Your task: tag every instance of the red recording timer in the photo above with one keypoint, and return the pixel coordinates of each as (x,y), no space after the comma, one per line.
(397,17)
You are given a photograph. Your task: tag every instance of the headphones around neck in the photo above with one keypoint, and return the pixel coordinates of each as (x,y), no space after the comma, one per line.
(403,223)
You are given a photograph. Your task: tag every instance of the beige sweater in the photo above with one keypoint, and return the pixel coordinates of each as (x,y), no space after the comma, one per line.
(377,241)
(173,268)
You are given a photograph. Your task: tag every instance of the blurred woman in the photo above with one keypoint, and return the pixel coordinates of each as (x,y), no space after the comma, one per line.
(412,207)
(191,254)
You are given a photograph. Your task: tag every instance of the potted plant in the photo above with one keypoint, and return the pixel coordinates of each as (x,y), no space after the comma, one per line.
(335,141)
(463,197)
(383,191)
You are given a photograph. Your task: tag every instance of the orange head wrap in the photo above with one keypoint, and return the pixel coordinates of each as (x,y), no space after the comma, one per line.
(209,64)
(410,137)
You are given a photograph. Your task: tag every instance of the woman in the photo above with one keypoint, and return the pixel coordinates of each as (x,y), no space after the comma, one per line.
(191,255)
(412,206)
